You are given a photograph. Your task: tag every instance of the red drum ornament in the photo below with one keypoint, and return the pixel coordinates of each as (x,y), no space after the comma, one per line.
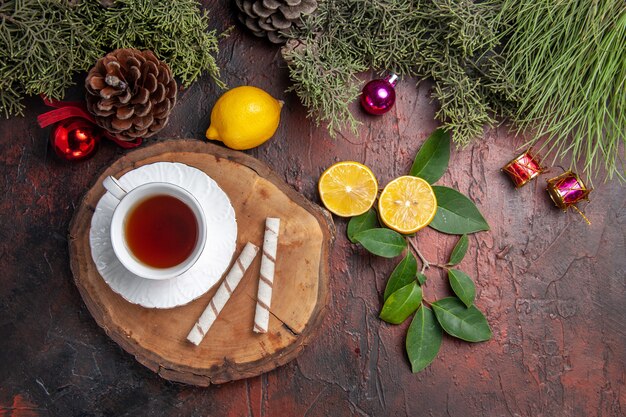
(379,96)
(568,189)
(74,139)
(523,168)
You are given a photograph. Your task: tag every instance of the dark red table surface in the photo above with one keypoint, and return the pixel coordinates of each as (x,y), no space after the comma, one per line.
(552,287)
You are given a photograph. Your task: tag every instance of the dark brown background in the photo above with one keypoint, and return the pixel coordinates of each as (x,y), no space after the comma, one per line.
(552,287)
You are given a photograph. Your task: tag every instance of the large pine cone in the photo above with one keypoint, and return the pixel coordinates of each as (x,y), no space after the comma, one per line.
(131,93)
(272,17)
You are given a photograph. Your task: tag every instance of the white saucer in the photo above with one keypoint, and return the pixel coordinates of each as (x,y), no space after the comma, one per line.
(219,249)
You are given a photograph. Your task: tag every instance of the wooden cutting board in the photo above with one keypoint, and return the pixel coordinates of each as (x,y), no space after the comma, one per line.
(230,350)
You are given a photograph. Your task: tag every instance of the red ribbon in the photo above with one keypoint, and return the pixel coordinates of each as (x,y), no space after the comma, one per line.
(67,109)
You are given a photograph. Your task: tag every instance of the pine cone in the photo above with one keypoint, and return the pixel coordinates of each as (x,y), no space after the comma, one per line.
(271,17)
(130,93)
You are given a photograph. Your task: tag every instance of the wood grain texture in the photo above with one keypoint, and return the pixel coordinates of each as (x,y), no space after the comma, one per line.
(552,288)
(230,351)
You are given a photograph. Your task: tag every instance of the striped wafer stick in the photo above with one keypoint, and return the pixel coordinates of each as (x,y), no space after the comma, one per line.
(266,277)
(204,323)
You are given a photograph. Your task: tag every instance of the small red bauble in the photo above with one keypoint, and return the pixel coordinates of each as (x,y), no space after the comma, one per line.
(379,96)
(75,139)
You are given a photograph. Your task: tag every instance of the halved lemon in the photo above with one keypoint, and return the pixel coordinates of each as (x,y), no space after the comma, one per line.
(407,204)
(348,188)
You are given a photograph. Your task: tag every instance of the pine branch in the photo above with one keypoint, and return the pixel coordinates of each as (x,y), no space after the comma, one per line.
(439,39)
(40,50)
(566,62)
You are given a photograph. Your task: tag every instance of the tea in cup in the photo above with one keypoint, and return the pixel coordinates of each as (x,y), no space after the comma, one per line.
(158,229)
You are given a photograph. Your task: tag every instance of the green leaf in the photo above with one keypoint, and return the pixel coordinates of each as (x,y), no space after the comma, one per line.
(382,242)
(423,339)
(459,251)
(467,324)
(402,303)
(365,221)
(421,278)
(402,275)
(432,159)
(463,286)
(456,214)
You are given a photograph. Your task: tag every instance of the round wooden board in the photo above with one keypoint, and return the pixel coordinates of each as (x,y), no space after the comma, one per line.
(230,350)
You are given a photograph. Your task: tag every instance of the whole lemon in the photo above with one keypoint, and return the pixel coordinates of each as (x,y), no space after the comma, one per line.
(244,117)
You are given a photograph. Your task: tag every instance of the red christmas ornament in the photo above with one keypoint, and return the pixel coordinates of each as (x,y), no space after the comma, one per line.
(379,96)
(74,139)
(76,135)
(523,168)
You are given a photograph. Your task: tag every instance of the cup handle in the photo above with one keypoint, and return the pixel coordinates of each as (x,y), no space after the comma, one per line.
(113,186)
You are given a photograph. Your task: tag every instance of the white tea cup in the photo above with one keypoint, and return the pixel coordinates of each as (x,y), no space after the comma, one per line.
(128,201)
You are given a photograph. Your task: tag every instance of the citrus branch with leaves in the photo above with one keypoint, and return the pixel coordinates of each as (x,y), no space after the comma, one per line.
(455,214)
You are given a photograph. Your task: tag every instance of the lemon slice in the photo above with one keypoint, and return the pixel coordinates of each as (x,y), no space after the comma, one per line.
(348,188)
(407,204)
